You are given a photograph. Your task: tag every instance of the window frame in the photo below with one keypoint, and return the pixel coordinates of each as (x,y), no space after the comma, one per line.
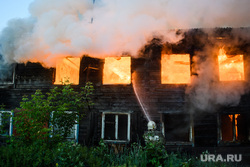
(130,72)
(162,71)
(13,77)
(243,66)
(60,82)
(76,131)
(116,126)
(190,140)
(11,122)
(219,120)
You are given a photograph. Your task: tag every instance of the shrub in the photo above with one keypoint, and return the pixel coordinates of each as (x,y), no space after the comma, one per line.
(34,121)
(156,152)
(71,154)
(33,155)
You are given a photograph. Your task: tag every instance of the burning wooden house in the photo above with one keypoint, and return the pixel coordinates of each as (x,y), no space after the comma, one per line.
(195,90)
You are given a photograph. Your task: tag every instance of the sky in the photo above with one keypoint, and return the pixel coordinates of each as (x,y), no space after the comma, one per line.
(13,9)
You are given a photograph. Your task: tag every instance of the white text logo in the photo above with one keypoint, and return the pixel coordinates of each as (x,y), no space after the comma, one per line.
(220,158)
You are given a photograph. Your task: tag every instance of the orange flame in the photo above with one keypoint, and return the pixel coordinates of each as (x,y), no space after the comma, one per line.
(231,117)
(175,69)
(235,123)
(231,68)
(67,71)
(117,70)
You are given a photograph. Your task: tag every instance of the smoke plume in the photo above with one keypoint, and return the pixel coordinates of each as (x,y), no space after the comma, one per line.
(206,92)
(100,28)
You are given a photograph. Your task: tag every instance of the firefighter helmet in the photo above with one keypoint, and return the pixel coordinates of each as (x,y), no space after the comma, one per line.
(151,125)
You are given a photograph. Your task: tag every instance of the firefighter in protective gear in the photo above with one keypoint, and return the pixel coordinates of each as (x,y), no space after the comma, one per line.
(152,135)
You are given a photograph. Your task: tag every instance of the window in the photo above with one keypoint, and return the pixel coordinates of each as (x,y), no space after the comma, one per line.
(175,69)
(73,136)
(117,70)
(231,67)
(67,70)
(6,123)
(177,127)
(6,73)
(115,126)
(234,127)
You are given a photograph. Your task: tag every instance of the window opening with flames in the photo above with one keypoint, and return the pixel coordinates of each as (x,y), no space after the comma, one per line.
(67,71)
(175,69)
(234,127)
(117,70)
(231,67)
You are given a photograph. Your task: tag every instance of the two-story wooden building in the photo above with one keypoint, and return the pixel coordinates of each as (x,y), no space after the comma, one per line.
(195,90)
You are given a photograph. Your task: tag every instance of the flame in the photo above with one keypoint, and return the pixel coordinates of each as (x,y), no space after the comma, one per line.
(231,68)
(235,123)
(117,70)
(67,70)
(175,69)
(231,117)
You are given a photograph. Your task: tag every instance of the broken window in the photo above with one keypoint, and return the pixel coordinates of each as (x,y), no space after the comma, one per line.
(117,70)
(5,123)
(175,69)
(67,71)
(116,126)
(231,67)
(177,127)
(234,127)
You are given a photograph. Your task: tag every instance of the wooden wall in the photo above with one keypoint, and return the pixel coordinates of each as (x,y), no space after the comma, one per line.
(159,98)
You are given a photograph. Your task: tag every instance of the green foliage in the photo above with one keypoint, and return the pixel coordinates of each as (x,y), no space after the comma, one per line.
(33,155)
(43,116)
(102,151)
(2,106)
(71,154)
(5,123)
(155,150)
(156,153)
(62,155)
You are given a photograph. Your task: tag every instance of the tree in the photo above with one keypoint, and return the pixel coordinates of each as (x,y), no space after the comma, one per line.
(59,109)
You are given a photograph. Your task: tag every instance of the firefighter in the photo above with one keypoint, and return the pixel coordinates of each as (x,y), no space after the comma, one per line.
(152,135)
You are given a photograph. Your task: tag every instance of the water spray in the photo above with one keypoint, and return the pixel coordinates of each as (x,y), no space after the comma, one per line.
(144,109)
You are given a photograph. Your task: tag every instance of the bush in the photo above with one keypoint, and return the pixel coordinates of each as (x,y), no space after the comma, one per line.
(38,115)
(64,154)
(72,154)
(32,155)
(156,152)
